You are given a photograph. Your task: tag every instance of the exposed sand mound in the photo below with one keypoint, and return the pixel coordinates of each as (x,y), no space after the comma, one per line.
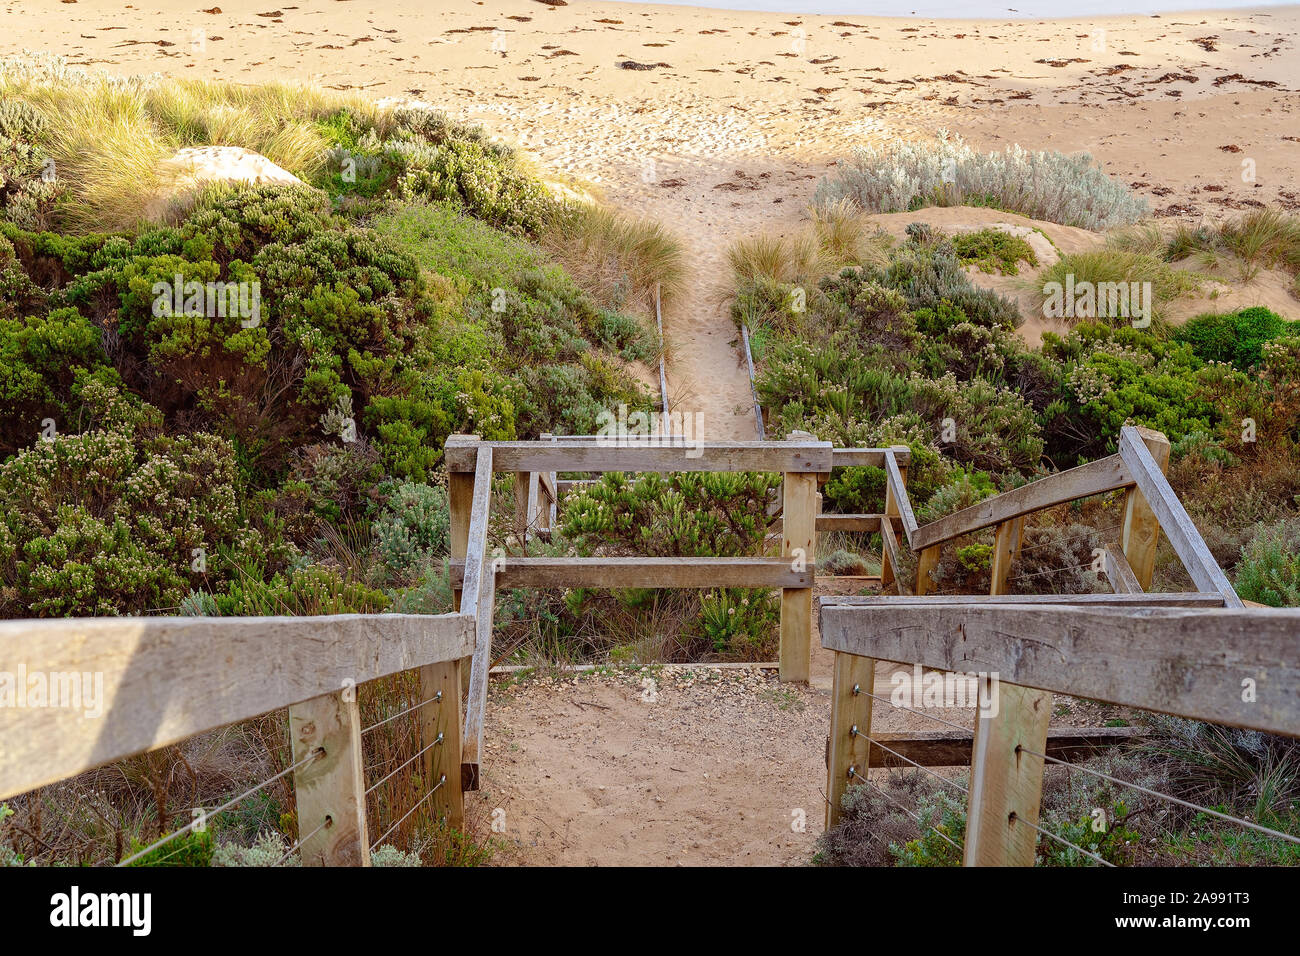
(1270,288)
(230,164)
(194,166)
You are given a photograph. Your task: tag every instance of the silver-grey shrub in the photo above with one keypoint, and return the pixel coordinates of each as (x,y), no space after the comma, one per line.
(1043,184)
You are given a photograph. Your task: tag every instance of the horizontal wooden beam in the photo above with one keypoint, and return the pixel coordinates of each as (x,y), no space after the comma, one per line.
(1170,599)
(1174,520)
(1094,478)
(145,683)
(652,455)
(868,457)
(952,748)
(854,523)
(647,573)
(1227,666)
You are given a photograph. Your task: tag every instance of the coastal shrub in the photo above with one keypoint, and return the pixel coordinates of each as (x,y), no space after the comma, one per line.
(1269,568)
(113,520)
(900,176)
(993,250)
(1236,338)
(413,528)
(741,623)
(310,590)
(930,276)
(1118,376)
(45,361)
(681,513)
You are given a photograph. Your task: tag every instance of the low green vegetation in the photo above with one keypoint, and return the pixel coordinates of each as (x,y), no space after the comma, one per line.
(1235,338)
(908,351)
(993,251)
(917,819)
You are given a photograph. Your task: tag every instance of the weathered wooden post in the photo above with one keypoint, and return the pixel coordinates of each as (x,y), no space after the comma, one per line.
(850,710)
(799,547)
(330,789)
(441,721)
(1141,529)
(1006,784)
(926,562)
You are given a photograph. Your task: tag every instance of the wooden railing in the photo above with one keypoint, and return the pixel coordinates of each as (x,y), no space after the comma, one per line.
(166,679)
(1145,651)
(803,461)
(1188,654)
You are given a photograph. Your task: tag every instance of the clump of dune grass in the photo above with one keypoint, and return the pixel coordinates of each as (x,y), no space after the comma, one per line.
(1262,238)
(1044,184)
(844,235)
(107,135)
(794,258)
(836,236)
(1117,265)
(620,259)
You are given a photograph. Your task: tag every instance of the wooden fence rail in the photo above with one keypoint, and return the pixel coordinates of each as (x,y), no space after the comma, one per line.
(1198,655)
(157,681)
(167,679)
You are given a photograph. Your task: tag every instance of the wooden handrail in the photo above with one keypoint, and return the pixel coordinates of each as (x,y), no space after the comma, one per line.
(624,572)
(1175,522)
(1094,478)
(898,488)
(1167,599)
(168,678)
(652,454)
(1182,661)
(1119,574)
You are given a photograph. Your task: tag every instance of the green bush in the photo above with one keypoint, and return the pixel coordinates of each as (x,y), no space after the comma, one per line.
(941,814)
(993,250)
(681,513)
(112,520)
(45,361)
(1118,376)
(193,848)
(1269,569)
(413,529)
(1236,338)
